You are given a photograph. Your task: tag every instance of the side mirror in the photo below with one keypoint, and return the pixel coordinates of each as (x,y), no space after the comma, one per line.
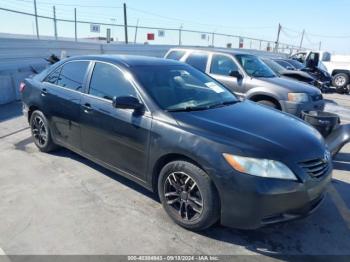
(127,102)
(236,74)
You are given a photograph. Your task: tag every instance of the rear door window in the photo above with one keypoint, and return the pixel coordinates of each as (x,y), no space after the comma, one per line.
(175,55)
(198,60)
(222,65)
(73,74)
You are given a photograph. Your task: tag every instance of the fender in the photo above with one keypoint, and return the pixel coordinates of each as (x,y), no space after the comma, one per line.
(261,91)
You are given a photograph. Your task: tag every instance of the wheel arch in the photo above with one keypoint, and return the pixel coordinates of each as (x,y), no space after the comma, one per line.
(338,71)
(262,96)
(170,157)
(31,109)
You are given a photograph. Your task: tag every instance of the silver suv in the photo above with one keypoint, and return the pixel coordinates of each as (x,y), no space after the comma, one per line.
(248,76)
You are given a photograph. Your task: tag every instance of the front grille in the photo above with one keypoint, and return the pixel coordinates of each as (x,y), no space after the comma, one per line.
(315,168)
(317,97)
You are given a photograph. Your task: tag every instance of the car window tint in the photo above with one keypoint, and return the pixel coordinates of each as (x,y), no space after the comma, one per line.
(179,86)
(175,55)
(73,74)
(222,65)
(198,60)
(53,77)
(108,82)
(284,64)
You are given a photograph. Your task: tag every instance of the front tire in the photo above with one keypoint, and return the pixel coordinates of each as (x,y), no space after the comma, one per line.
(188,195)
(41,133)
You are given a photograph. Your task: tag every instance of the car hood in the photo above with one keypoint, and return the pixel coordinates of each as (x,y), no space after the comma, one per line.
(291,85)
(255,130)
(297,73)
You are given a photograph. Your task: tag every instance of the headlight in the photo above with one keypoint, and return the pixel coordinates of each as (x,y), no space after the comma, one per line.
(260,167)
(298,97)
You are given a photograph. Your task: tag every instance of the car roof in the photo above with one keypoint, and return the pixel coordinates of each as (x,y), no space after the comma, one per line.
(230,51)
(127,60)
(211,49)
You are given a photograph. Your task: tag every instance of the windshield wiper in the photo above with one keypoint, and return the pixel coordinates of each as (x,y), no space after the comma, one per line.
(188,109)
(226,103)
(199,108)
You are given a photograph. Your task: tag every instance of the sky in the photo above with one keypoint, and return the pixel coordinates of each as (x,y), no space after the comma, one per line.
(324,21)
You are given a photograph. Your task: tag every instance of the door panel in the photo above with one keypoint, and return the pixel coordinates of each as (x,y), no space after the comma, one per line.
(64,108)
(62,91)
(117,137)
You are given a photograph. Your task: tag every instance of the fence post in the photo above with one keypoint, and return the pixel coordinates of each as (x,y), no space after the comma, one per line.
(36,20)
(180,32)
(260,45)
(137,26)
(212,39)
(125,24)
(75,25)
(54,21)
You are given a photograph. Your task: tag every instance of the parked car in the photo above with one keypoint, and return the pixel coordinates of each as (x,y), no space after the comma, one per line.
(179,132)
(249,77)
(289,64)
(340,71)
(300,75)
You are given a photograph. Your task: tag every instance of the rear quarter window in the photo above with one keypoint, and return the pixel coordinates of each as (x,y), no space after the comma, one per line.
(198,60)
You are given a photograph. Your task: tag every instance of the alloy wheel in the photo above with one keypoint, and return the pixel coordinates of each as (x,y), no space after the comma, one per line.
(182,194)
(39,130)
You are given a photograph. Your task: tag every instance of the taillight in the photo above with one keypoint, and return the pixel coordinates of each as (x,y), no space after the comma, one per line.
(22,86)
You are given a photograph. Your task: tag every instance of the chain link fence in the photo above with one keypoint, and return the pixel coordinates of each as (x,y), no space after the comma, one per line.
(50,27)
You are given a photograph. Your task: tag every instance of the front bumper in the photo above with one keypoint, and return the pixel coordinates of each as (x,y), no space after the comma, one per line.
(297,108)
(249,202)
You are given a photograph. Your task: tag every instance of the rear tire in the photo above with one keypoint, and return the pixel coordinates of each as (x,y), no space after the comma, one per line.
(41,133)
(340,80)
(268,103)
(188,195)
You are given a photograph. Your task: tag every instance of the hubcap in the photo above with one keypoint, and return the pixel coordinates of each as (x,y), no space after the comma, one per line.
(340,80)
(39,130)
(183,195)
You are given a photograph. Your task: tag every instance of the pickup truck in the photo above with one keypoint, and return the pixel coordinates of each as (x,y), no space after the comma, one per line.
(340,71)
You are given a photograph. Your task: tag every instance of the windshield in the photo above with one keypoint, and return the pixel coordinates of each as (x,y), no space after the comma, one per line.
(278,69)
(296,64)
(182,88)
(254,67)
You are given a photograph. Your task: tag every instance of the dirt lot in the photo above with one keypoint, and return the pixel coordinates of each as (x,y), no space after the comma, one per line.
(61,203)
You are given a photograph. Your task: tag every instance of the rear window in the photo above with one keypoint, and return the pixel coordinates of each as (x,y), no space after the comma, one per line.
(175,55)
(198,60)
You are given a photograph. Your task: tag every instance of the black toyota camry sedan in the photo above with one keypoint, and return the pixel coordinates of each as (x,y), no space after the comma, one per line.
(180,133)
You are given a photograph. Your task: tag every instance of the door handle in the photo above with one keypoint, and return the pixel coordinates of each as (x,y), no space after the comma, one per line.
(87,108)
(44,92)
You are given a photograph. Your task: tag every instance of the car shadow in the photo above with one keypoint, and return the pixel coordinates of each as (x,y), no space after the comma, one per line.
(329,101)
(342,161)
(313,235)
(62,152)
